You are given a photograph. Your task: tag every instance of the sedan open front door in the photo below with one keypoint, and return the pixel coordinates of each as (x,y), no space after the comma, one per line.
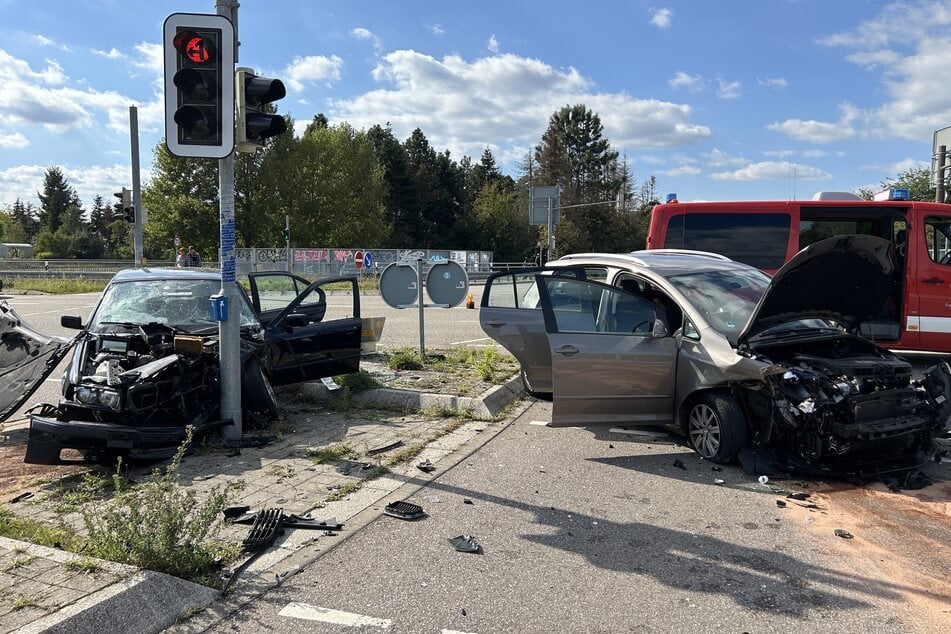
(311,332)
(613,362)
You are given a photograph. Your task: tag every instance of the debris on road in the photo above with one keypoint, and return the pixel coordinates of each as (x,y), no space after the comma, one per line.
(384,448)
(680,464)
(426,466)
(465,544)
(404,510)
(844,534)
(781,503)
(799,495)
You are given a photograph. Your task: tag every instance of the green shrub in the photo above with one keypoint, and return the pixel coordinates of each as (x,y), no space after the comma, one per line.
(405,359)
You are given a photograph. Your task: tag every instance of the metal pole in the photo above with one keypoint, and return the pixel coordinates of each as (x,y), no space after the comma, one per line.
(136,193)
(287,240)
(419,300)
(551,230)
(939,177)
(229,331)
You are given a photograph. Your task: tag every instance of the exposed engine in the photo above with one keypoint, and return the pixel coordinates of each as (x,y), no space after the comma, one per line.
(150,376)
(842,399)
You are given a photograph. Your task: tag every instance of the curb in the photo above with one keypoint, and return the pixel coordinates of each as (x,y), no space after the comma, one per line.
(486,406)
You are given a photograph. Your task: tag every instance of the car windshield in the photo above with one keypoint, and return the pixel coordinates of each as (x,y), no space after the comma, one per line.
(726,299)
(179,303)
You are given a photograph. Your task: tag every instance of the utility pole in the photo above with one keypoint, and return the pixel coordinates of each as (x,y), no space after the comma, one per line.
(136,187)
(939,178)
(229,330)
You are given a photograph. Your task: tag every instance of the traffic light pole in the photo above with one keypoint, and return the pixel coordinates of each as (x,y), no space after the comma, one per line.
(229,330)
(136,191)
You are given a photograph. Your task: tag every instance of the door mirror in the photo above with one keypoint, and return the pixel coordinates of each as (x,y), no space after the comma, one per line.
(73,322)
(660,329)
(296,320)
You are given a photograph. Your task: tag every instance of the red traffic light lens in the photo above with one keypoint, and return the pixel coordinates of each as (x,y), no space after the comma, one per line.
(195,48)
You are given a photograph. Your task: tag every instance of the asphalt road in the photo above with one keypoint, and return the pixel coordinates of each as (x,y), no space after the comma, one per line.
(590,532)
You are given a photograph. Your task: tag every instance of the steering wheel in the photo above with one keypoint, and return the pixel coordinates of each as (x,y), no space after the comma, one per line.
(646,323)
(945,259)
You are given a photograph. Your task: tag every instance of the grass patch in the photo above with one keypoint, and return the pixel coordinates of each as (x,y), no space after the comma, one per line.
(42,533)
(357,382)
(331,453)
(404,359)
(85,565)
(23,601)
(55,286)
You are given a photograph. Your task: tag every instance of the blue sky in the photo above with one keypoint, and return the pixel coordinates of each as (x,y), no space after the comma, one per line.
(736,99)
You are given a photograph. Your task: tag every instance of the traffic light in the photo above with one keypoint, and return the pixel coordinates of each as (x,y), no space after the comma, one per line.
(255,124)
(126,205)
(199,95)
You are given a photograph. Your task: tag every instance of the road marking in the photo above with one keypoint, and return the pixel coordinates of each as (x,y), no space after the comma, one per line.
(58,310)
(540,423)
(454,632)
(309,612)
(461,343)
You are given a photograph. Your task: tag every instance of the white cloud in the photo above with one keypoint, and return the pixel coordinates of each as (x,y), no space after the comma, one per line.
(14,141)
(493,44)
(681,79)
(813,131)
(661,18)
(773,170)
(773,82)
(508,99)
(112,53)
(151,58)
(906,46)
(728,89)
(718,158)
(361,33)
(436,29)
(899,166)
(312,68)
(24,181)
(683,170)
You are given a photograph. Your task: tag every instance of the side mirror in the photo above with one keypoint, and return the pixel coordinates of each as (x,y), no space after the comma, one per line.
(296,320)
(73,322)
(659,330)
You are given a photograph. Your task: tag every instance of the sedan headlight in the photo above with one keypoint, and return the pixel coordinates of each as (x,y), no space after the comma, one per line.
(108,398)
(86,395)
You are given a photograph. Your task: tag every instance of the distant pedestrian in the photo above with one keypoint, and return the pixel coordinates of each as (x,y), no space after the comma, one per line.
(182,258)
(193,258)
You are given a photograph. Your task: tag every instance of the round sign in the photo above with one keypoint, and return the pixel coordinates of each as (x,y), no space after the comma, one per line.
(398,285)
(358,259)
(178,241)
(368,260)
(447,283)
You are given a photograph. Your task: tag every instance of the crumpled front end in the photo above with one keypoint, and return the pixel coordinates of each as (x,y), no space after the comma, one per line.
(131,392)
(839,410)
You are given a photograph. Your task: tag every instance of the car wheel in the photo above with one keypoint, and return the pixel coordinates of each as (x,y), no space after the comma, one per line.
(544,396)
(256,391)
(716,427)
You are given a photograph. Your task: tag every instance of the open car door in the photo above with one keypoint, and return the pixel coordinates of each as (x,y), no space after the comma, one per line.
(511,314)
(307,337)
(27,357)
(613,362)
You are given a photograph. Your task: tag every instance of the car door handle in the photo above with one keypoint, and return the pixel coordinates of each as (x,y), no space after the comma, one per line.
(933,280)
(495,323)
(567,350)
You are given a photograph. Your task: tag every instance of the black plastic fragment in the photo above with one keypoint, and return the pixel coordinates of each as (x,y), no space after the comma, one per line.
(348,467)
(799,495)
(26,495)
(680,464)
(426,466)
(465,544)
(267,526)
(844,534)
(468,501)
(404,510)
(781,503)
(385,448)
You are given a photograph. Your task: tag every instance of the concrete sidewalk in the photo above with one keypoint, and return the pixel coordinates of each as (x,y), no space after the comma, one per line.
(49,590)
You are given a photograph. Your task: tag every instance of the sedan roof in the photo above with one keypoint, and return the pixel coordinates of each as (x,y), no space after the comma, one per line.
(138,275)
(664,262)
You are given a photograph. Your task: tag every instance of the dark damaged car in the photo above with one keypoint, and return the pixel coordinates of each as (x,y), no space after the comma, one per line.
(145,366)
(770,370)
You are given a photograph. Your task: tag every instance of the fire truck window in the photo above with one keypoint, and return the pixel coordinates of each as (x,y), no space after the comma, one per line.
(938,239)
(756,239)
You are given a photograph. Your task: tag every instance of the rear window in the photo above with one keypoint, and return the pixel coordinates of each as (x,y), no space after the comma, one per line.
(756,239)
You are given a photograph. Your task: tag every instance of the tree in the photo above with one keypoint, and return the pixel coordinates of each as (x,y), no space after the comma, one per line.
(916,180)
(59,203)
(402,213)
(23,225)
(574,155)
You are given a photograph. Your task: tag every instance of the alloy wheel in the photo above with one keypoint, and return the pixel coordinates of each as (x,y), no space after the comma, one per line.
(704,429)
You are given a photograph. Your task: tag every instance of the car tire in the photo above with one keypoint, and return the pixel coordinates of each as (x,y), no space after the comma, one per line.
(716,427)
(256,391)
(543,396)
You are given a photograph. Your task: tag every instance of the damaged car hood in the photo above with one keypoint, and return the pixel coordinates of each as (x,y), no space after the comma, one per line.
(27,357)
(847,279)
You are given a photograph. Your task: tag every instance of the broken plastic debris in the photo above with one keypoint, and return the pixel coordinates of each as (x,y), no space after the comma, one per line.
(426,466)
(781,503)
(799,495)
(329,383)
(808,406)
(404,510)
(844,534)
(465,544)
(763,479)
(716,468)
(468,501)
(680,464)
(384,448)
(718,481)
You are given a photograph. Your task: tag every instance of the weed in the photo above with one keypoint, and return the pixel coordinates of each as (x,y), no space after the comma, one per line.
(345,489)
(159,526)
(42,533)
(438,412)
(405,359)
(19,562)
(405,455)
(285,471)
(57,286)
(22,601)
(331,453)
(357,382)
(91,486)
(85,565)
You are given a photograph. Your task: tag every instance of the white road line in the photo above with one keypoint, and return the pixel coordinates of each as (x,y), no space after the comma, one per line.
(58,310)
(309,612)
(468,341)
(453,632)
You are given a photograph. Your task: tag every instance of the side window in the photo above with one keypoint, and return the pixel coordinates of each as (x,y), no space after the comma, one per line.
(757,239)
(515,290)
(277,291)
(597,274)
(938,239)
(580,306)
(690,331)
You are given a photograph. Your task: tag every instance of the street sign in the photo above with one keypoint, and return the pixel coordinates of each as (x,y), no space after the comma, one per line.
(543,198)
(447,283)
(398,285)
(941,137)
(368,260)
(358,259)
